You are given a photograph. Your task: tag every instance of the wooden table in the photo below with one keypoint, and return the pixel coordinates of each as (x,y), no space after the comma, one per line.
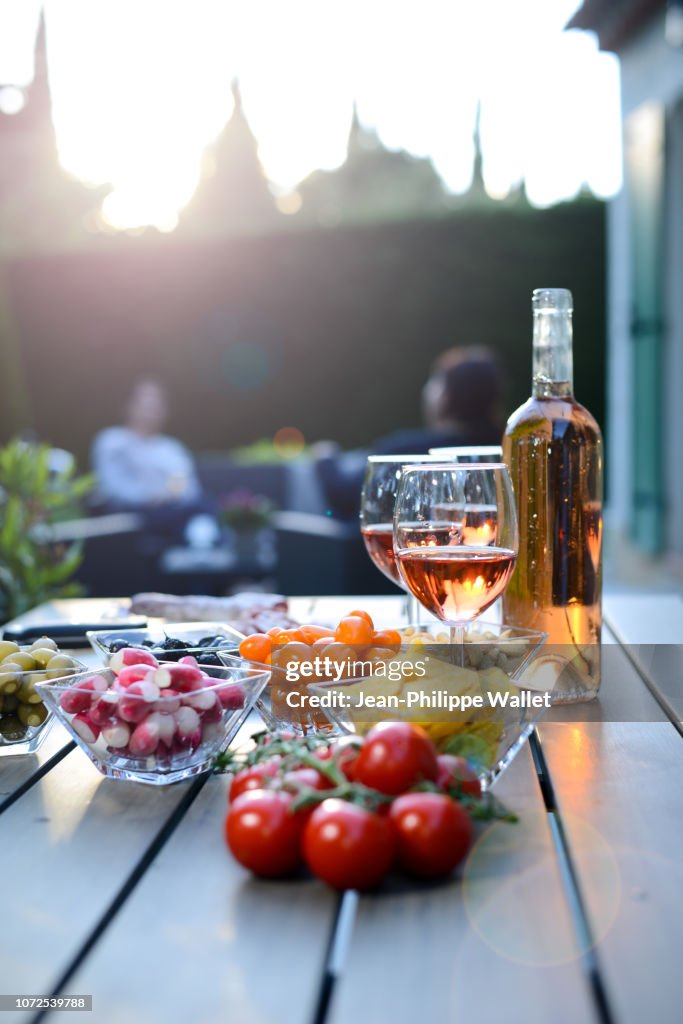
(127,892)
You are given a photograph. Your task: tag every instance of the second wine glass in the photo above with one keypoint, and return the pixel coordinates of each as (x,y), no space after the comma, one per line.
(454,567)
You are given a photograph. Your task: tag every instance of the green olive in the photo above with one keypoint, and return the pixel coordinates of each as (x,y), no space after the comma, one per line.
(32,714)
(41,655)
(60,665)
(27,694)
(23,659)
(10,677)
(44,643)
(7,648)
(11,728)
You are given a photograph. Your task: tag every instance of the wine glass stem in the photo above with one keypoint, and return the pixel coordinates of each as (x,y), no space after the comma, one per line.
(413,609)
(458,644)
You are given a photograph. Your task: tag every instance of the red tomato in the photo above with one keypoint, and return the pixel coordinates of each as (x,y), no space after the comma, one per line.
(395,757)
(363,615)
(253,778)
(306,777)
(455,771)
(347,846)
(354,630)
(433,833)
(263,834)
(256,647)
(345,751)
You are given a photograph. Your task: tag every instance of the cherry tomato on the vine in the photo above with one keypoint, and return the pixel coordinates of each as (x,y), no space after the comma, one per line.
(347,846)
(263,834)
(305,776)
(434,833)
(253,778)
(395,757)
(456,772)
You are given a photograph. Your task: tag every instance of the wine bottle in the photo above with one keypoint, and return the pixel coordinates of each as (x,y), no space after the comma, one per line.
(553,449)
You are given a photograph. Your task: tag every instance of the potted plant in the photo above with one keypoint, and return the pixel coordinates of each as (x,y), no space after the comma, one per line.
(35,494)
(246,517)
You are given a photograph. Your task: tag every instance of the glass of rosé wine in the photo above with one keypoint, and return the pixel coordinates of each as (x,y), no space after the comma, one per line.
(455,537)
(382,475)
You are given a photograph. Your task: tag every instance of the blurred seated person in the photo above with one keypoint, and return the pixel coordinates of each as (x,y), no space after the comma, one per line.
(138,468)
(461,405)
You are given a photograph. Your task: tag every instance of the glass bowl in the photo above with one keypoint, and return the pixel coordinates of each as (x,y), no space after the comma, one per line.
(25,719)
(104,641)
(274,709)
(151,734)
(463,694)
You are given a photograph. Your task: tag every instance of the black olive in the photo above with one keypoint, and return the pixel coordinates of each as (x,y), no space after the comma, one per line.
(117,645)
(209,659)
(172,643)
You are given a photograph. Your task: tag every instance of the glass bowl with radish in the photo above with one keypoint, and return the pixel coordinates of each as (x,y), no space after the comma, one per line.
(154,722)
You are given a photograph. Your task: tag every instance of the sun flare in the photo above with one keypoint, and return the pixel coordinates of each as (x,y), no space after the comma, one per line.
(139,90)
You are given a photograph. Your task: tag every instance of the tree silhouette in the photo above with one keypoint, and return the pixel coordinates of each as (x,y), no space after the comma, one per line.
(40,205)
(233,194)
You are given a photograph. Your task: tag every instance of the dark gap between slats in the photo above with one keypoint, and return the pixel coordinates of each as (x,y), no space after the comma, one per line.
(647,681)
(334,954)
(37,776)
(152,851)
(570,882)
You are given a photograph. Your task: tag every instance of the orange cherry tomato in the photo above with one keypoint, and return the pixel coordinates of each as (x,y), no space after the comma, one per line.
(354,630)
(366,616)
(323,642)
(274,631)
(310,633)
(379,654)
(292,652)
(256,647)
(387,638)
(285,636)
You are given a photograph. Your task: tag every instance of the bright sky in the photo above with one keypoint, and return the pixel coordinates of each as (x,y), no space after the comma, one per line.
(139,87)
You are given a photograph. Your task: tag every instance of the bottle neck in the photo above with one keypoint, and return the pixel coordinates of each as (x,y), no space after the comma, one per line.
(553,374)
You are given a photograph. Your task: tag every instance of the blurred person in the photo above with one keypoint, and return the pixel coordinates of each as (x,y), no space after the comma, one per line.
(138,468)
(136,464)
(461,405)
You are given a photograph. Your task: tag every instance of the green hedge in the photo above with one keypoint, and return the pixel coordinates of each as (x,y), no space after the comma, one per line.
(331,330)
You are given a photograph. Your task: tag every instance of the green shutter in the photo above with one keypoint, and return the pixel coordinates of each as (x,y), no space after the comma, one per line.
(645,167)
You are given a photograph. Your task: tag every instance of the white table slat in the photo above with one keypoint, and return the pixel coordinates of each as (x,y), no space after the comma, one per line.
(472,951)
(68,845)
(202,941)
(618,790)
(651,628)
(15,769)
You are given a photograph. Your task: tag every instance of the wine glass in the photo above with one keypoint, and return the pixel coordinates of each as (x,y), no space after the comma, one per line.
(382,475)
(455,538)
(470,453)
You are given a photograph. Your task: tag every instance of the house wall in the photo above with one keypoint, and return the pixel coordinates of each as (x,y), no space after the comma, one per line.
(651,72)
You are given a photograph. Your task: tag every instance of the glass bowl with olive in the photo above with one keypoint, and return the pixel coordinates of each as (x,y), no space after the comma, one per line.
(23,716)
(171,642)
